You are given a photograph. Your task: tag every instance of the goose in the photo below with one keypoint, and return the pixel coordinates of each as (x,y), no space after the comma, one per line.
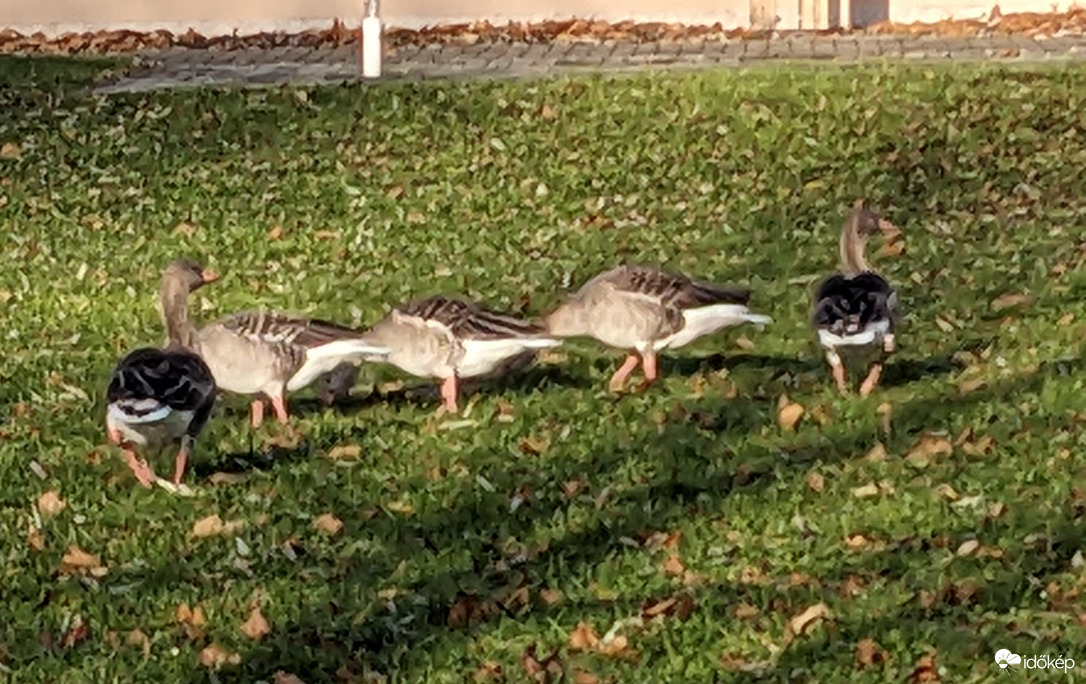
(451,338)
(265,354)
(647,310)
(160,397)
(855,311)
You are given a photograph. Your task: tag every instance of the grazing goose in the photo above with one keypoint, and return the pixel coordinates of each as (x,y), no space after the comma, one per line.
(855,311)
(452,339)
(648,310)
(267,354)
(159,397)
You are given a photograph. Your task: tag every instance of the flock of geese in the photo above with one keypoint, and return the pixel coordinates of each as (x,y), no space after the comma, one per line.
(159,397)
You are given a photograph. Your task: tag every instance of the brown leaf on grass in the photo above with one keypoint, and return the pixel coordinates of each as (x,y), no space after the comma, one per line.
(815,481)
(533,446)
(275,233)
(328,524)
(10,150)
(852,586)
(788,413)
(547,112)
(927,449)
(821,415)
(583,638)
(679,607)
(968,547)
(137,638)
(540,670)
(345,452)
(186,229)
(1065,320)
(207,527)
(76,559)
(256,627)
(489,671)
(50,503)
(877,454)
(856,541)
(286,678)
(925,670)
(868,653)
(802,623)
(1010,300)
(744,611)
(572,487)
(866,491)
(551,596)
(619,647)
(979,447)
(35,538)
(674,565)
(893,249)
(744,343)
(192,619)
(583,677)
(226,478)
(215,656)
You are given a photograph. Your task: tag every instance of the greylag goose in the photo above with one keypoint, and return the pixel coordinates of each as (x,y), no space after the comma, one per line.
(648,310)
(855,311)
(159,397)
(267,354)
(452,339)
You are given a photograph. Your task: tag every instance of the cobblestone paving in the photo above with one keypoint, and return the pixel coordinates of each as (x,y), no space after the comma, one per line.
(182,67)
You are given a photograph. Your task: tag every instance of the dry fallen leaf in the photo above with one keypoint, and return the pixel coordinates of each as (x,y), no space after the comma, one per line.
(256,626)
(489,671)
(925,670)
(551,596)
(619,647)
(801,623)
(788,413)
(345,452)
(868,490)
(1010,300)
(50,503)
(35,538)
(215,656)
(744,343)
(328,523)
(547,112)
(275,233)
(868,653)
(207,527)
(286,678)
(226,478)
(745,610)
(927,448)
(583,638)
(674,566)
(137,638)
(877,454)
(856,541)
(10,150)
(192,619)
(582,677)
(815,481)
(968,547)
(76,557)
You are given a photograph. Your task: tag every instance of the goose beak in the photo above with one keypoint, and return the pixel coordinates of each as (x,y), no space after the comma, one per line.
(209,276)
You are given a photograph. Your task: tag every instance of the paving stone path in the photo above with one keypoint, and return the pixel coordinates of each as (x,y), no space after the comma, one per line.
(180,67)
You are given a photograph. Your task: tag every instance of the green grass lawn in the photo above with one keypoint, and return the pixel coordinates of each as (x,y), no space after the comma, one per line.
(936,522)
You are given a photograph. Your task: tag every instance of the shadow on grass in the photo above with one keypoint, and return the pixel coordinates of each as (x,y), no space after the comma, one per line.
(470,548)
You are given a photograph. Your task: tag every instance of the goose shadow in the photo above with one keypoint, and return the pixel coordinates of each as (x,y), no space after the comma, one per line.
(339,390)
